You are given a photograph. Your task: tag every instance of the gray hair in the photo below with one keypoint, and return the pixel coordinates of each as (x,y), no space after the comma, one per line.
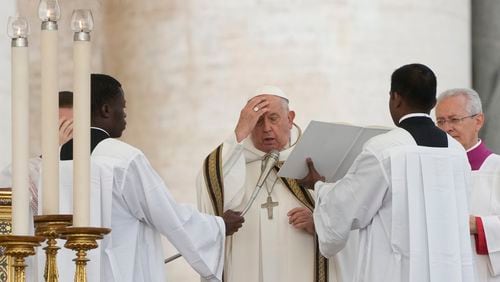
(284,104)
(473,105)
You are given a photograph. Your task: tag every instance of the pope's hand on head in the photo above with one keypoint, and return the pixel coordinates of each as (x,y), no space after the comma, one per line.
(233,221)
(249,115)
(312,176)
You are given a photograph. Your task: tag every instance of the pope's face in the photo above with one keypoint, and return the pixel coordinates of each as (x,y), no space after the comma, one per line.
(452,117)
(272,131)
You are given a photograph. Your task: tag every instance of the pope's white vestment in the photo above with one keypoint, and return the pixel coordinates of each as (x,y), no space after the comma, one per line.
(265,250)
(485,202)
(406,233)
(129,197)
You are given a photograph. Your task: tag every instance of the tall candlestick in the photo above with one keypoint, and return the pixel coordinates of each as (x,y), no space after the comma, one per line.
(82,25)
(48,11)
(18,30)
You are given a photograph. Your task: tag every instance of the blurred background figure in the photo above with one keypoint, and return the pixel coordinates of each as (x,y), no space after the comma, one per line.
(65,116)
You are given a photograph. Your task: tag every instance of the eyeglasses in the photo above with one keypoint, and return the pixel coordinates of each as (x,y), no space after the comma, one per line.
(452,121)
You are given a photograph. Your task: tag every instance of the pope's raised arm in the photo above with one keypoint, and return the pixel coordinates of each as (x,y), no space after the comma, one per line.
(249,115)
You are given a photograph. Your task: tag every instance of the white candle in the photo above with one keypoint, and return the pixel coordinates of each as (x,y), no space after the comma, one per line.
(81,129)
(20,131)
(81,134)
(50,119)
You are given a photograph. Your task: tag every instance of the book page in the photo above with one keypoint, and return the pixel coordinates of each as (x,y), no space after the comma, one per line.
(332,147)
(355,150)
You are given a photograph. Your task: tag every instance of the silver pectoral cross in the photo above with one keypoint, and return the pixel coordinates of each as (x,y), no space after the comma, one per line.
(269,205)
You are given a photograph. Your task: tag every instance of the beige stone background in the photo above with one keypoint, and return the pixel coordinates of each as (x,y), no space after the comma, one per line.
(188,66)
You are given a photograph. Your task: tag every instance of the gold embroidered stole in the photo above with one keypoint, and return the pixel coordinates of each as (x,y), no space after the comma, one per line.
(303,196)
(212,170)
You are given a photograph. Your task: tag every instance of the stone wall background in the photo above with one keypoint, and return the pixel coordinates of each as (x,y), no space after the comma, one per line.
(486,65)
(187,67)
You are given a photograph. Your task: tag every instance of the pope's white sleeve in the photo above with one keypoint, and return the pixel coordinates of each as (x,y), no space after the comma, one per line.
(348,204)
(198,237)
(491,225)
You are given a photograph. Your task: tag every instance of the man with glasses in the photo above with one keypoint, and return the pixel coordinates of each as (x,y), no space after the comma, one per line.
(459,113)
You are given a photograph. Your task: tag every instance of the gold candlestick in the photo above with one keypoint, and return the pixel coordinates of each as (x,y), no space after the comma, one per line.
(50,227)
(19,247)
(81,240)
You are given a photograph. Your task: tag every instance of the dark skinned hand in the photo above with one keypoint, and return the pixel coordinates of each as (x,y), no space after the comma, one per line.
(233,221)
(312,177)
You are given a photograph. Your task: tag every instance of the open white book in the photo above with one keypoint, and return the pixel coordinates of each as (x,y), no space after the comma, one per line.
(332,147)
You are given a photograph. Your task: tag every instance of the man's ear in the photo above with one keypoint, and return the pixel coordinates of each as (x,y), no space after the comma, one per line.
(479,119)
(105,111)
(291,117)
(397,100)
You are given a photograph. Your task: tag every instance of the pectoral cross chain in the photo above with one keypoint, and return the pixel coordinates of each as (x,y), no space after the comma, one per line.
(269,205)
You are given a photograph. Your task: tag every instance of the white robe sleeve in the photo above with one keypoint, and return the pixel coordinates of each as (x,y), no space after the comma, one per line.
(491,225)
(350,203)
(234,173)
(198,237)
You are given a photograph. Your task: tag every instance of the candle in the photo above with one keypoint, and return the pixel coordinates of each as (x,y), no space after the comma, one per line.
(49,10)
(49,14)
(19,30)
(81,117)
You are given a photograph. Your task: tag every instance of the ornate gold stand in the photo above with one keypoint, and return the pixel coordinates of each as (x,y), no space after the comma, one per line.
(81,240)
(50,227)
(19,247)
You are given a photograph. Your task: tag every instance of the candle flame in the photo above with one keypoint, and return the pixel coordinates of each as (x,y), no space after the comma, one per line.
(50,14)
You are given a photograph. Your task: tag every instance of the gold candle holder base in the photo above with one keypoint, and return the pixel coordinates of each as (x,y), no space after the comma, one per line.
(81,240)
(50,227)
(19,247)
